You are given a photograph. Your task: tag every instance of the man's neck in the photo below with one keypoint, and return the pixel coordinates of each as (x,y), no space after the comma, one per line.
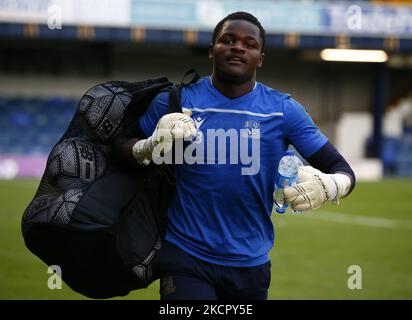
(233,90)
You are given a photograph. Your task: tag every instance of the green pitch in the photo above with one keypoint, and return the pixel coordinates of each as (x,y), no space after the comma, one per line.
(371,229)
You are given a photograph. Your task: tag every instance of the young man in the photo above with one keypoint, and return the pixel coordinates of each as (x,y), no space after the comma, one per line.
(219,231)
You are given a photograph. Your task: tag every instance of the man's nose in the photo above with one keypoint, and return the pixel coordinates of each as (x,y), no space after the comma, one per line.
(238,46)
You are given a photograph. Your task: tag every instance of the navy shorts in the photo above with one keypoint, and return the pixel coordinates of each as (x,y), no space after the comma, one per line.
(185,277)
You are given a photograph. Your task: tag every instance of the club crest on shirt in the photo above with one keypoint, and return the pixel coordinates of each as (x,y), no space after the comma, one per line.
(253,128)
(199,136)
(198,122)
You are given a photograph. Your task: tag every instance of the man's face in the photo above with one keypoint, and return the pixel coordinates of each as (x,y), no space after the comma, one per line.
(237,52)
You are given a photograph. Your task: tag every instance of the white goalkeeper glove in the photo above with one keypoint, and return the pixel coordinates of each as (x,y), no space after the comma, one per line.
(315,188)
(170,127)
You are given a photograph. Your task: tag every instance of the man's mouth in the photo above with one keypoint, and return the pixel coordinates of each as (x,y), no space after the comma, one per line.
(236,60)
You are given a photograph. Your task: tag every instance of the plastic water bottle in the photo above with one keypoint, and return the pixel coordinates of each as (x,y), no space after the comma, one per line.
(287,176)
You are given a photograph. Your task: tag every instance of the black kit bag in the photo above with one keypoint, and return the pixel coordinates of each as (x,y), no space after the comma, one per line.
(100,223)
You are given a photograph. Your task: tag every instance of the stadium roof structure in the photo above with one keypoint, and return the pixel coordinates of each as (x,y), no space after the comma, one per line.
(198,38)
(288,24)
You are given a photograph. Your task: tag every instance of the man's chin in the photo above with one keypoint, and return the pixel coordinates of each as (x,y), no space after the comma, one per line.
(232,77)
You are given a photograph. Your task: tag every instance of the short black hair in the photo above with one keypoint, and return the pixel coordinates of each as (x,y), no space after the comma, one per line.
(240,15)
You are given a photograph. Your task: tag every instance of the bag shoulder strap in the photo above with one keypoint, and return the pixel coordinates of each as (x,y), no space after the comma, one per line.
(176,89)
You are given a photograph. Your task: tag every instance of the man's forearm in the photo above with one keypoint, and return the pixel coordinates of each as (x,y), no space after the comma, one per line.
(329,160)
(330,179)
(123,154)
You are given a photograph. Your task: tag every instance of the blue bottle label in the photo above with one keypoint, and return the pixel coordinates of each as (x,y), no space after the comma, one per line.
(284,182)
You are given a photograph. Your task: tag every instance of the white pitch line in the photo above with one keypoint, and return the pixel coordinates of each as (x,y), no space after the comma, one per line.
(341,217)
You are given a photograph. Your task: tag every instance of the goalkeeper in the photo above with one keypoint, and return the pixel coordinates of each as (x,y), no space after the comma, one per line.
(219,231)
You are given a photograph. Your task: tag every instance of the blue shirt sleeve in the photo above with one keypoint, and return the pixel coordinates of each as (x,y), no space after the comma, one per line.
(157,109)
(300,129)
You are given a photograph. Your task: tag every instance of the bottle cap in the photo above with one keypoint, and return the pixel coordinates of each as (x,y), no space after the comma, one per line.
(280,210)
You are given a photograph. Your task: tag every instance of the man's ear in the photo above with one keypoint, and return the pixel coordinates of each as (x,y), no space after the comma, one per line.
(211,51)
(260,64)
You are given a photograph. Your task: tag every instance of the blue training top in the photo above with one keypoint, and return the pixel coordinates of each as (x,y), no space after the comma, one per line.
(221,208)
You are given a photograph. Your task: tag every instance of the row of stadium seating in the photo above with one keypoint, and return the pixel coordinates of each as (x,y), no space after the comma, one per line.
(33,126)
(397,155)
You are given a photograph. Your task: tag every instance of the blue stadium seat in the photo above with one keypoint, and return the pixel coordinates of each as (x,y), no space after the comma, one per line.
(404,157)
(389,153)
(34,125)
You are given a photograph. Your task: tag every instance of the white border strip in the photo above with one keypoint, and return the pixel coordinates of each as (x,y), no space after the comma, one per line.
(265,115)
